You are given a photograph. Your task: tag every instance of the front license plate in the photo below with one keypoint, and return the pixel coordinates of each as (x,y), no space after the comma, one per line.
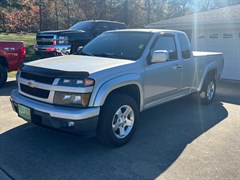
(24,112)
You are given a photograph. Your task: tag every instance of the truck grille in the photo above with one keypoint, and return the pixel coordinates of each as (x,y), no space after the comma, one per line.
(34,91)
(37,78)
(45,40)
(44,43)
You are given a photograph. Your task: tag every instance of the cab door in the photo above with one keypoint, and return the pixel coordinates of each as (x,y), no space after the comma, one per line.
(187,63)
(163,80)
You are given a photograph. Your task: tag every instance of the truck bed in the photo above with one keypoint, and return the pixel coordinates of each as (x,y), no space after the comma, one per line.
(12,54)
(206,61)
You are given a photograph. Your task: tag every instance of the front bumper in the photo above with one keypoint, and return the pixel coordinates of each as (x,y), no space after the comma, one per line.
(64,48)
(58,117)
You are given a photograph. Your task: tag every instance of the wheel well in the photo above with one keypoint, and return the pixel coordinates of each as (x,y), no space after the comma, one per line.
(212,73)
(130,90)
(3,62)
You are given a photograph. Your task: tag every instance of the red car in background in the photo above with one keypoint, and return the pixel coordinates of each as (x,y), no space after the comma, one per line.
(12,55)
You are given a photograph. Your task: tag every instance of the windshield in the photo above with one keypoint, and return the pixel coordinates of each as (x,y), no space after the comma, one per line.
(120,45)
(85,26)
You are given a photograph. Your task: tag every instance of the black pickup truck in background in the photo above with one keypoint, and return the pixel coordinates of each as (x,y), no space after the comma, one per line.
(52,43)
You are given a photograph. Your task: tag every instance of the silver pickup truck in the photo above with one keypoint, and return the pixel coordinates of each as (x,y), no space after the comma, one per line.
(114,77)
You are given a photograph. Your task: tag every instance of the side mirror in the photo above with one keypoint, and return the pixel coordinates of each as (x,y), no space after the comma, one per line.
(79,49)
(160,56)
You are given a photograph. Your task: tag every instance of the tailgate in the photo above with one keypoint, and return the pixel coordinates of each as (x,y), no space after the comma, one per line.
(11,46)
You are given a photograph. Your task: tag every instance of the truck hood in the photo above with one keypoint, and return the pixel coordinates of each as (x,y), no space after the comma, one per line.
(60,32)
(77,63)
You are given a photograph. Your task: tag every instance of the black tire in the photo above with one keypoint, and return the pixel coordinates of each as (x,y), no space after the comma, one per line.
(109,120)
(208,90)
(3,75)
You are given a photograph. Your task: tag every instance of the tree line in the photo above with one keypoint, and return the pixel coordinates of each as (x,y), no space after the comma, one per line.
(39,15)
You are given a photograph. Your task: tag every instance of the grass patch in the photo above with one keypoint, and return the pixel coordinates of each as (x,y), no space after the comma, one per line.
(29,40)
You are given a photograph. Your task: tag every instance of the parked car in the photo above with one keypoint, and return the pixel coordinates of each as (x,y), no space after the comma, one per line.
(67,41)
(12,55)
(113,78)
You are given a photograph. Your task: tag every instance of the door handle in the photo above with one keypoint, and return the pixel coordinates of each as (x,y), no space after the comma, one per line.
(177,67)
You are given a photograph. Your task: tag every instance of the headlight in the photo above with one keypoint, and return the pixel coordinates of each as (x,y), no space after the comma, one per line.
(76,82)
(72,99)
(62,40)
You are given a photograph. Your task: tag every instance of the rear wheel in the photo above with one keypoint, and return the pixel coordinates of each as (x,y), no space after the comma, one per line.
(3,75)
(118,119)
(208,90)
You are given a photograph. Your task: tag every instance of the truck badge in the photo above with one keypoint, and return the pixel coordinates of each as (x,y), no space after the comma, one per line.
(31,83)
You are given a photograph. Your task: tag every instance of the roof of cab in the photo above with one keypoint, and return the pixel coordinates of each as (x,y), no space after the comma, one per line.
(103,21)
(150,31)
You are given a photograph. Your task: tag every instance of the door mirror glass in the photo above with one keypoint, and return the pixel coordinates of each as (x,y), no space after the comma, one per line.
(160,56)
(79,50)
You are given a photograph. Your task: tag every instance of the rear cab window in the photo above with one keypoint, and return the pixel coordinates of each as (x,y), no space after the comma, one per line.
(101,27)
(115,26)
(185,46)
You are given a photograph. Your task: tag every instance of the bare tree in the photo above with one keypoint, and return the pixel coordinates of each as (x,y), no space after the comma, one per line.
(56,13)
(179,7)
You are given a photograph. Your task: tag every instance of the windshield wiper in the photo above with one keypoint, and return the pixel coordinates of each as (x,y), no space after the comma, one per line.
(86,54)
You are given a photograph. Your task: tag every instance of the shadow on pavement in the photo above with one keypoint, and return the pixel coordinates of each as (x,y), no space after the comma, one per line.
(8,87)
(30,152)
(228,91)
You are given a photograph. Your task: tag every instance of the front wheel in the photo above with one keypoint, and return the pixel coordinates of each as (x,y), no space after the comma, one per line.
(208,90)
(118,119)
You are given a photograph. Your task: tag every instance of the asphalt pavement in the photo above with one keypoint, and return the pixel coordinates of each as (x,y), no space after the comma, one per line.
(177,140)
